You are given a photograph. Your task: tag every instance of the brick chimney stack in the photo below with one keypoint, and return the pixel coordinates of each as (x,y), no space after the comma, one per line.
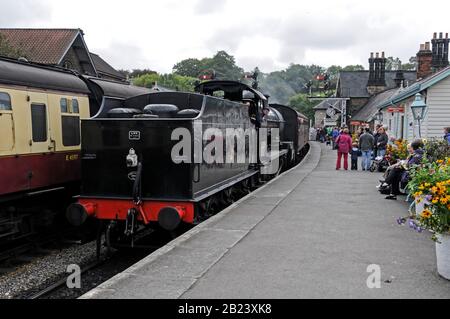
(439,52)
(377,71)
(424,61)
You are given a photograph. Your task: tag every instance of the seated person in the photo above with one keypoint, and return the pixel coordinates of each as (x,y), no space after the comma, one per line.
(398,173)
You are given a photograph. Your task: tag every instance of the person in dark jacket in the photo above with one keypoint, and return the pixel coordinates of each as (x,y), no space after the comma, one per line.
(356,152)
(382,142)
(366,143)
(399,173)
(376,134)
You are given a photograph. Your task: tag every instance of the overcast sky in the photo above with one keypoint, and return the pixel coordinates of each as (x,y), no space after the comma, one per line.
(270,34)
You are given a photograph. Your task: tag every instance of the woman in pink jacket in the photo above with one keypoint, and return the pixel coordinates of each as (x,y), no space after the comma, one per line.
(344,143)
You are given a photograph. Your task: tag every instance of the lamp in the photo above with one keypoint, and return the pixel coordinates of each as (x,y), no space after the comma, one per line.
(379,116)
(418,109)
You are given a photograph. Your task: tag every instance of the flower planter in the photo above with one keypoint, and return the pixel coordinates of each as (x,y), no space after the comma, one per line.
(443,255)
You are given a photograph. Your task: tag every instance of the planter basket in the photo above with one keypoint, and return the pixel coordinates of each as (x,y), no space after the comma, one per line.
(443,255)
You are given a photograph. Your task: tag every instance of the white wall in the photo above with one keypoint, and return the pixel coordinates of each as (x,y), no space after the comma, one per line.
(438,114)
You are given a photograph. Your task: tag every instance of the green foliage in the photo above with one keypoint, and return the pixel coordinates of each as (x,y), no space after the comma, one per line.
(301,103)
(170,81)
(7,50)
(395,64)
(430,182)
(223,64)
(437,149)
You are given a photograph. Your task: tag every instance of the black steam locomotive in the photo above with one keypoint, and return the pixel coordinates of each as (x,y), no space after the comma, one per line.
(166,159)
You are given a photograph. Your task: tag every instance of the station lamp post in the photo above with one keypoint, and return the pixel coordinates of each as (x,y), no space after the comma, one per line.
(379,117)
(418,110)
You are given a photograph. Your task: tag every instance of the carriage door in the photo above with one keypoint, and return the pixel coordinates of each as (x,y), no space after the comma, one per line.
(6,123)
(40,130)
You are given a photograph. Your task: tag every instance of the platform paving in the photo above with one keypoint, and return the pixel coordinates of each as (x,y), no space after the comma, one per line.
(311,233)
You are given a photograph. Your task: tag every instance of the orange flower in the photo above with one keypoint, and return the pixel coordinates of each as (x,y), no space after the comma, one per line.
(426,214)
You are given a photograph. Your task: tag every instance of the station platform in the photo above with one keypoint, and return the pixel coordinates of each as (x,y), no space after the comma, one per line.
(311,233)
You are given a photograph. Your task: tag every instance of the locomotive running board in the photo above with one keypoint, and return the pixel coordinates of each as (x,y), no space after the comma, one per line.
(221,186)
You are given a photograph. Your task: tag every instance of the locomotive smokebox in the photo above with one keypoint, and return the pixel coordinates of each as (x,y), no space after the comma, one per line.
(77,214)
(169,218)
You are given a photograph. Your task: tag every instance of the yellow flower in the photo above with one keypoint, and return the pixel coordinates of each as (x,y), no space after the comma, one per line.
(422,187)
(439,161)
(435,200)
(426,214)
(428,184)
(444,200)
(434,189)
(417,194)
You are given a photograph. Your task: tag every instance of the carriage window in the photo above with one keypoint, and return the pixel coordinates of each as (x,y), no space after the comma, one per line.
(75,107)
(39,122)
(5,102)
(70,130)
(64,106)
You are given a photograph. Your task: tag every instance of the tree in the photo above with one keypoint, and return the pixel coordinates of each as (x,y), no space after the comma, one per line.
(170,81)
(301,103)
(189,67)
(393,63)
(355,67)
(222,63)
(7,50)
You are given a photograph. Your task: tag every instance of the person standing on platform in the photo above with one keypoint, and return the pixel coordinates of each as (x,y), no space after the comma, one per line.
(382,142)
(334,136)
(344,145)
(356,152)
(376,134)
(366,144)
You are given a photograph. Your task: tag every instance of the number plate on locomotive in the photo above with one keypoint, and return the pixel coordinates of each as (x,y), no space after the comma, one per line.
(134,135)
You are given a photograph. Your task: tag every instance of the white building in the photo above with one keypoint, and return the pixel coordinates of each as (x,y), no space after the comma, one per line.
(435,91)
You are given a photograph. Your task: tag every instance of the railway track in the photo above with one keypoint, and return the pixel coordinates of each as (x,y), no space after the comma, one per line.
(63,282)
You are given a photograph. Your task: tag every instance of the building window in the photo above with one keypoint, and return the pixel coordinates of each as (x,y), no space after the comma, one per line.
(5,102)
(67,64)
(70,130)
(39,122)
(64,106)
(75,106)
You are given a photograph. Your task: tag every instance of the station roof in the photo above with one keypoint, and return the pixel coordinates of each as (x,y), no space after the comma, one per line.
(415,88)
(354,83)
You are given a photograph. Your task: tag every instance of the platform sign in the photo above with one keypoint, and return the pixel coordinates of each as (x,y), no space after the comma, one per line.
(400,109)
(329,122)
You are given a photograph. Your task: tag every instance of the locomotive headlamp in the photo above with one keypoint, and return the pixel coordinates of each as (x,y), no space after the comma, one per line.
(132,159)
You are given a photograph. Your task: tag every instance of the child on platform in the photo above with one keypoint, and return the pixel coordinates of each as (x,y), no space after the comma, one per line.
(356,152)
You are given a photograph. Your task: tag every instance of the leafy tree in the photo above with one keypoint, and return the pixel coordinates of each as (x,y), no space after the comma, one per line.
(393,63)
(223,64)
(301,103)
(189,67)
(356,67)
(138,72)
(7,50)
(170,81)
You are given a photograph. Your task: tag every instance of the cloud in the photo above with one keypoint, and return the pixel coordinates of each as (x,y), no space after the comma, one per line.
(114,54)
(209,6)
(24,13)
